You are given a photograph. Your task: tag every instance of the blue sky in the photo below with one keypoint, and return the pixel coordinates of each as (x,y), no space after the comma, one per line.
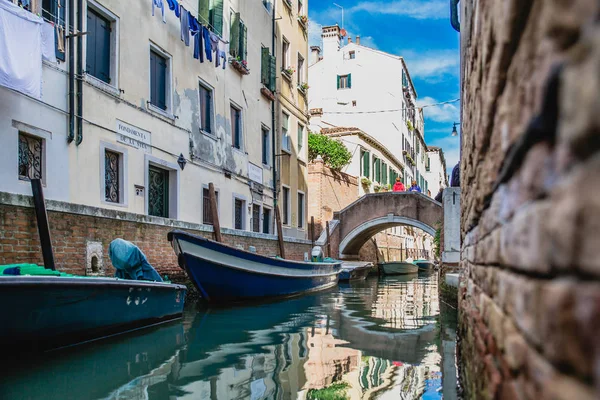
(419,31)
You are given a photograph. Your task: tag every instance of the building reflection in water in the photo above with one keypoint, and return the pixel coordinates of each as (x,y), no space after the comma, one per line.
(376,339)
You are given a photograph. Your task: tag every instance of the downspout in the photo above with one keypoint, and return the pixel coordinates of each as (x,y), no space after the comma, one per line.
(71,134)
(454,15)
(273,129)
(79,73)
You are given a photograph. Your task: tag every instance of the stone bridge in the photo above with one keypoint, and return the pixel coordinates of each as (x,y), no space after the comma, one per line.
(353,226)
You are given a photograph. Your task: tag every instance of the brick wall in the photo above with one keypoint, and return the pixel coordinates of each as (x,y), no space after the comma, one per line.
(72,226)
(530,290)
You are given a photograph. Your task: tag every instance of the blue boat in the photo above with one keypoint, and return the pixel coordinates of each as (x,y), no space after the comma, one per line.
(48,312)
(225,274)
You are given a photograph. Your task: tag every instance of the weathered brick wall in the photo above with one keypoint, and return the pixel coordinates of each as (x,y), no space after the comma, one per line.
(72,226)
(530,291)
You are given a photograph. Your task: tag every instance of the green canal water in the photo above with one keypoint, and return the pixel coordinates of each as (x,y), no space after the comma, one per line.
(383,338)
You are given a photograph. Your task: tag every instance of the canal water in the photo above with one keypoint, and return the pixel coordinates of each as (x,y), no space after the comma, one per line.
(383,338)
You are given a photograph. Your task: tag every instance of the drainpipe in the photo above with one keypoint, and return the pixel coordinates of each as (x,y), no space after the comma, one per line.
(79,73)
(273,129)
(454,15)
(71,135)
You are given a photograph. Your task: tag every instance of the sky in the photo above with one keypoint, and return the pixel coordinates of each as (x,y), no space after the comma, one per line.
(419,31)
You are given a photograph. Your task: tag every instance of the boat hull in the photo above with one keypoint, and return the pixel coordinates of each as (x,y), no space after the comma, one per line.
(424,265)
(52,312)
(354,273)
(398,268)
(225,274)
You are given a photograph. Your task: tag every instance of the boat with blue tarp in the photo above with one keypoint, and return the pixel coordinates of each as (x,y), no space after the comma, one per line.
(225,274)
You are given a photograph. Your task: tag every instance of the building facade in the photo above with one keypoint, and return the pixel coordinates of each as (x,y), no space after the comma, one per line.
(291,114)
(435,170)
(134,117)
(354,85)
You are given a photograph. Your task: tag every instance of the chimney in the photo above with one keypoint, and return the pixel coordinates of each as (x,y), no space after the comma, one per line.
(349,40)
(331,40)
(315,55)
(357,39)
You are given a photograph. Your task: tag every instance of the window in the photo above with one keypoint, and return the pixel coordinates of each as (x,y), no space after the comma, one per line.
(384,172)
(158,192)
(393,176)
(206,108)
(158,80)
(31,157)
(352,55)
(236,127)
(428,165)
(238,42)
(53,11)
(265,146)
(286,205)
(285,137)
(300,76)
(404,79)
(267,69)
(300,210)
(365,165)
(207,217)
(211,12)
(344,81)
(300,140)
(255,218)
(300,8)
(376,169)
(266,220)
(353,103)
(238,213)
(268,5)
(285,54)
(98,46)
(112,177)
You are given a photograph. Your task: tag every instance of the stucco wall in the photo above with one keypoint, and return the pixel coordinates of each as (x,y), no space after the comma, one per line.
(529,297)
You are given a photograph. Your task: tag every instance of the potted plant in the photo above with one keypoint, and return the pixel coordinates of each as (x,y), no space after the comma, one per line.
(240,65)
(288,72)
(365,181)
(303,87)
(377,188)
(267,93)
(303,19)
(409,125)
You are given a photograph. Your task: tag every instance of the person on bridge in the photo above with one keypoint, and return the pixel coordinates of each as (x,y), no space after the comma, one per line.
(438,198)
(414,187)
(399,186)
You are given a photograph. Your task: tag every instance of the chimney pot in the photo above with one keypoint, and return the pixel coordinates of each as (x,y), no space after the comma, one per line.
(349,39)
(357,39)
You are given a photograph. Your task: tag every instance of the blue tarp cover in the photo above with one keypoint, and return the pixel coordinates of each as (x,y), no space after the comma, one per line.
(130,262)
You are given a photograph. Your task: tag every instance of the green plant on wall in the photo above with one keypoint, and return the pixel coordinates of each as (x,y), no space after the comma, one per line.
(333,152)
(335,391)
(437,240)
(409,125)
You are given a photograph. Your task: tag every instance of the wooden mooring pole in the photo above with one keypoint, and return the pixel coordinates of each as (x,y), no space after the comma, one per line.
(214,212)
(312,232)
(328,243)
(41,215)
(279,232)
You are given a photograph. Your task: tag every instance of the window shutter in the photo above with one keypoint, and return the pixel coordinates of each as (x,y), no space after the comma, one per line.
(234,40)
(272,73)
(244,41)
(338,81)
(103,50)
(90,55)
(349,81)
(264,66)
(203,11)
(384,177)
(161,68)
(217,17)
(367,164)
(153,88)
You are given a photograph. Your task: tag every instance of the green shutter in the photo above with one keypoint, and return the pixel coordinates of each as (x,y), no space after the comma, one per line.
(338,81)
(349,81)
(264,66)
(366,164)
(216,16)
(272,73)
(203,11)
(244,43)
(377,168)
(234,41)
(384,177)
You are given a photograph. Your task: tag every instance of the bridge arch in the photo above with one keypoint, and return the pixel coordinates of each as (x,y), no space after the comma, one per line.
(373,213)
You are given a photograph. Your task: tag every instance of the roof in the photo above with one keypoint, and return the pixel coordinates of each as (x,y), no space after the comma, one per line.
(328,131)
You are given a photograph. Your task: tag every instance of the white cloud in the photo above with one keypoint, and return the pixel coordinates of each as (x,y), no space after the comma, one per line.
(417,9)
(314,33)
(439,113)
(433,66)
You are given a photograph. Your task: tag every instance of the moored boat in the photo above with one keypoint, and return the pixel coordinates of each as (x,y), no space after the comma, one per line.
(398,268)
(354,271)
(48,312)
(226,274)
(424,264)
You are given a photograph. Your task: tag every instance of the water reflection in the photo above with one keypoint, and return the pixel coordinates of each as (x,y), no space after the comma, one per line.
(374,339)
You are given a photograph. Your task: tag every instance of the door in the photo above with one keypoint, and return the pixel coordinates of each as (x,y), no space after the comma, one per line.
(158,192)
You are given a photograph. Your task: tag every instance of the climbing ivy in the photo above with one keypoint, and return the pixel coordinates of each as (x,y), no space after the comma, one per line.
(333,152)
(437,240)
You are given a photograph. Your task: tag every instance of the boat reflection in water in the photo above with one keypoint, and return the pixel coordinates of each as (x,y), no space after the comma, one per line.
(371,339)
